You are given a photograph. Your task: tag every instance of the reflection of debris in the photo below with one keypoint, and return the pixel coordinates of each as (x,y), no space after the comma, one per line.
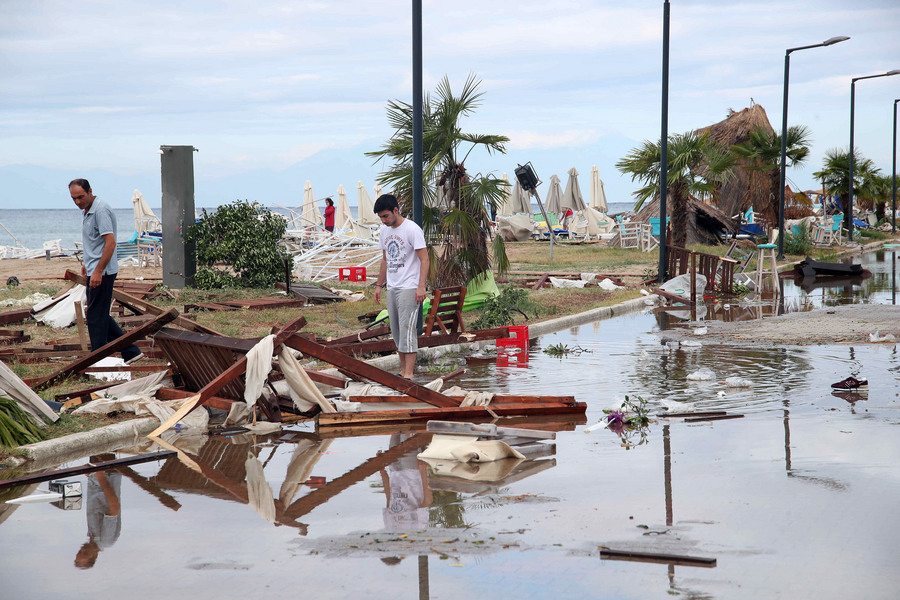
(658,557)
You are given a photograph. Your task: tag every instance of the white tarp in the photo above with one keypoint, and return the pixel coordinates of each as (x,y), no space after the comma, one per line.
(303,391)
(681,286)
(59,312)
(466,448)
(515,229)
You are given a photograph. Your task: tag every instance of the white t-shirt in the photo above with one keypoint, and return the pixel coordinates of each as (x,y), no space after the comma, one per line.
(400,245)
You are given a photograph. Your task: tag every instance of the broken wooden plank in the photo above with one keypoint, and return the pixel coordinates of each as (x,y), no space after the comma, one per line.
(212,401)
(490,430)
(373,346)
(541,281)
(82,329)
(716,418)
(658,557)
(15,316)
(146,307)
(679,415)
(114,346)
(370,372)
(83,469)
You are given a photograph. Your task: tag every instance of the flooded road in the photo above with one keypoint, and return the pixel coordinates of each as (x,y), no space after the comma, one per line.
(795,499)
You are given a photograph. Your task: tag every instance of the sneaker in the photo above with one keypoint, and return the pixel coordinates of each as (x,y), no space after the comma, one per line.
(134,359)
(851,383)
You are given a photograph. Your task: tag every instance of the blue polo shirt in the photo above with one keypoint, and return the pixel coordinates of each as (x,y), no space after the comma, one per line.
(95,223)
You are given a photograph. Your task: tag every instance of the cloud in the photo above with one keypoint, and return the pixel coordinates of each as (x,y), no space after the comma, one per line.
(526,140)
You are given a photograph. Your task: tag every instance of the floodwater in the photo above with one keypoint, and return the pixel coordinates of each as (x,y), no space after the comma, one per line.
(796,499)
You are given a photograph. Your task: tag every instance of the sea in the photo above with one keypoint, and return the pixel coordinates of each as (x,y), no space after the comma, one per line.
(32,227)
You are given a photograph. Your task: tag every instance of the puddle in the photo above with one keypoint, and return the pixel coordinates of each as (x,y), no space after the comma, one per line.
(796,499)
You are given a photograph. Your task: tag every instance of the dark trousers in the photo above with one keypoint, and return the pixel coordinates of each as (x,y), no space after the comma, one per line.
(102,328)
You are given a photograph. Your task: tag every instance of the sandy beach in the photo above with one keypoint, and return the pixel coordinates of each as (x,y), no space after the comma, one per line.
(41,269)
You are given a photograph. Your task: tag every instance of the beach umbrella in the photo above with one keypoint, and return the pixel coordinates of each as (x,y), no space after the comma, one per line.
(342,209)
(377,190)
(521,200)
(553,201)
(365,214)
(598,195)
(144,219)
(311,214)
(572,198)
(506,207)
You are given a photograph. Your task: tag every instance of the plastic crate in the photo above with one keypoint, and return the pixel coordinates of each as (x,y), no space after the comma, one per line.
(352,273)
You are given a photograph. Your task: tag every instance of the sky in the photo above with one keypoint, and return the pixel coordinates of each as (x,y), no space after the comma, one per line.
(276,93)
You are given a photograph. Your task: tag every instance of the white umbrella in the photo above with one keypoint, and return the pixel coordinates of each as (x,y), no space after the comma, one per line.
(572,198)
(365,214)
(553,201)
(144,219)
(342,209)
(598,195)
(506,207)
(521,200)
(311,214)
(377,191)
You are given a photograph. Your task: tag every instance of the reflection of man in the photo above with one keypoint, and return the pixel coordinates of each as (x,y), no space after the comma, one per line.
(404,266)
(98,235)
(406,488)
(104,516)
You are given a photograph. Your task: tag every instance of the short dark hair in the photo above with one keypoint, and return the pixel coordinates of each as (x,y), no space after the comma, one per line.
(386,202)
(329,201)
(82,183)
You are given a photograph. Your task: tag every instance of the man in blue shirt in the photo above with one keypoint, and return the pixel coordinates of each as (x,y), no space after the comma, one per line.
(98,234)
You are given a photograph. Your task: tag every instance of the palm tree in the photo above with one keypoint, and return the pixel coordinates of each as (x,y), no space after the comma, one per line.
(874,193)
(697,166)
(457,205)
(835,174)
(762,152)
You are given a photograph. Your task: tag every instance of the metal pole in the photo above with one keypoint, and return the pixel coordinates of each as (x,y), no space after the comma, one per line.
(848,214)
(894,175)
(418,157)
(782,180)
(664,146)
(546,220)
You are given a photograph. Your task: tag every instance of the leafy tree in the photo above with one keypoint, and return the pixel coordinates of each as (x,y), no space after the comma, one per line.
(457,205)
(762,151)
(237,246)
(697,166)
(835,174)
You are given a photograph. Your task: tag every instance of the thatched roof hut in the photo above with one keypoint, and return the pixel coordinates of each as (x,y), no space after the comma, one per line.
(703,222)
(747,187)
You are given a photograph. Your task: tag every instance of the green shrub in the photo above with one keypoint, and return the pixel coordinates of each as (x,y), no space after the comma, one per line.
(498,311)
(799,244)
(237,246)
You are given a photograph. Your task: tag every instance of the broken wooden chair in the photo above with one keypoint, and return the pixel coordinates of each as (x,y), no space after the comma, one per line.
(446,310)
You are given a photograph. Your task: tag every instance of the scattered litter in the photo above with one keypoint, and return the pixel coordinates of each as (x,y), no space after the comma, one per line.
(27,301)
(112,361)
(603,424)
(701,331)
(720,394)
(608,285)
(702,374)
(737,382)
(876,337)
(691,344)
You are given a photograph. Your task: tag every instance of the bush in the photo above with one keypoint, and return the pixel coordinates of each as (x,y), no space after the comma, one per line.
(237,246)
(800,244)
(498,310)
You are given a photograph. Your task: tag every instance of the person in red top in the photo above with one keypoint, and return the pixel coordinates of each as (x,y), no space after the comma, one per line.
(329,215)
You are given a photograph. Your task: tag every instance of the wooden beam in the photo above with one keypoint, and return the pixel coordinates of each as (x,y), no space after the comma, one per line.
(370,372)
(88,468)
(146,307)
(15,316)
(541,281)
(114,346)
(176,394)
(425,341)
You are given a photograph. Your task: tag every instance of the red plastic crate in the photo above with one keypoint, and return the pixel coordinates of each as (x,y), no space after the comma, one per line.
(352,273)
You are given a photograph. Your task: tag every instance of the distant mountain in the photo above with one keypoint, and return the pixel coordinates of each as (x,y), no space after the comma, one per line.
(29,186)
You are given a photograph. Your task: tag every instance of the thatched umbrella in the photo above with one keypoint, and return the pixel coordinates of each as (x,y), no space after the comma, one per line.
(704,221)
(747,187)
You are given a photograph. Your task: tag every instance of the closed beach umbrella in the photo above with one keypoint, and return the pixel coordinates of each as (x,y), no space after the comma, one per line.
(521,200)
(377,190)
(144,219)
(341,209)
(506,207)
(572,197)
(311,214)
(553,202)
(598,195)
(365,214)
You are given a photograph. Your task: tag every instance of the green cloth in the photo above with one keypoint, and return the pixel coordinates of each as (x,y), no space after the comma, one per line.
(477,291)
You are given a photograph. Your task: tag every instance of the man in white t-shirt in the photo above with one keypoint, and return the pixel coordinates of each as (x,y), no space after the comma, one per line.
(404,267)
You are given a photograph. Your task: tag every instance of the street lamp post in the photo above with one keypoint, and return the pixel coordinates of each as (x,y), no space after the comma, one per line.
(848,216)
(664,148)
(784,113)
(894,174)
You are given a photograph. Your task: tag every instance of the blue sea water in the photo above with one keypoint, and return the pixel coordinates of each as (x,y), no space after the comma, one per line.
(32,227)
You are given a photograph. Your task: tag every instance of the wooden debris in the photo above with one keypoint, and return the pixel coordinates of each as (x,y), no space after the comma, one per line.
(657,557)
(83,469)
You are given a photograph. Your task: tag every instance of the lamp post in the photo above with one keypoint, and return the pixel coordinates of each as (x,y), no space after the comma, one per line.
(848,216)
(664,148)
(784,125)
(418,151)
(894,174)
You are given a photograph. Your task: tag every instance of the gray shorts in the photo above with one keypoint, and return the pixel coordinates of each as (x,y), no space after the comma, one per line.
(403,313)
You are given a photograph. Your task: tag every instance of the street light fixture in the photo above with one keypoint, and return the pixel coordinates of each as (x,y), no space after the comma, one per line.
(848,215)
(784,113)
